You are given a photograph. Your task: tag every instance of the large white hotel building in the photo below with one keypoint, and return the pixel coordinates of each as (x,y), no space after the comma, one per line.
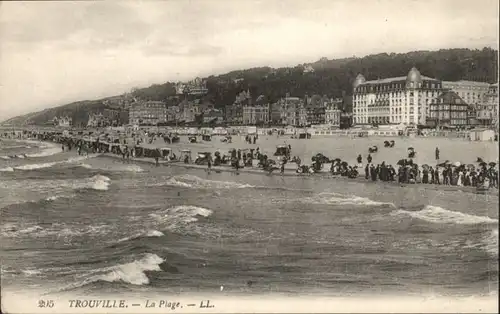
(394,100)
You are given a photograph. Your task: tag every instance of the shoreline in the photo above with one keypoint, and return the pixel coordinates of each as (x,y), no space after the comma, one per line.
(292,173)
(288,172)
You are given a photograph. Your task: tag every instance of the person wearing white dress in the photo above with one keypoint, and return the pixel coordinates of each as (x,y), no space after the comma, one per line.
(460,179)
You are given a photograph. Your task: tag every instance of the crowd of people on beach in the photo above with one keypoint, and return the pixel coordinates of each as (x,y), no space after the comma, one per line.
(406,171)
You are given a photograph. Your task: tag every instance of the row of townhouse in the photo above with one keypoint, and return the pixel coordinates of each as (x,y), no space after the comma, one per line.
(287,111)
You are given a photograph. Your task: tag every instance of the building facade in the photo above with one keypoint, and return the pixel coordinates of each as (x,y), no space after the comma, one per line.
(257,114)
(234,114)
(148,113)
(196,87)
(332,112)
(487,112)
(213,116)
(396,100)
(471,92)
(64,121)
(97,120)
(112,116)
(449,110)
(275,113)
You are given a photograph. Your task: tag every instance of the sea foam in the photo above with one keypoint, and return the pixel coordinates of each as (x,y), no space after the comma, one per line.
(132,273)
(190,181)
(436,214)
(51,164)
(328,198)
(180,215)
(148,234)
(36,166)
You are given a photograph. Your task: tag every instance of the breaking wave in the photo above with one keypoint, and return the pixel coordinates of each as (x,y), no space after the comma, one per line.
(147,234)
(328,198)
(134,168)
(31,272)
(49,150)
(99,182)
(190,181)
(127,168)
(7,169)
(36,166)
(179,216)
(53,198)
(436,214)
(15,146)
(51,164)
(60,231)
(131,273)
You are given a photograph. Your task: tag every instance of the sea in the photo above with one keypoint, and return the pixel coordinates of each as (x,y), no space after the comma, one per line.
(96,224)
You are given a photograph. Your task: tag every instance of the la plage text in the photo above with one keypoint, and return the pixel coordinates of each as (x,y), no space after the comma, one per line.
(171,305)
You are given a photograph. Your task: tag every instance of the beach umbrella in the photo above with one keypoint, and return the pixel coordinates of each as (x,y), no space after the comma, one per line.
(482,164)
(471,166)
(443,164)
(401,162)
(410,148)
(425,166)
(344,163)
(492,164)
(337,160)
(457,164)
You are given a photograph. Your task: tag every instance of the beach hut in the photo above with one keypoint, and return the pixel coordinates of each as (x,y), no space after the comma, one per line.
(185,156)
(482,135)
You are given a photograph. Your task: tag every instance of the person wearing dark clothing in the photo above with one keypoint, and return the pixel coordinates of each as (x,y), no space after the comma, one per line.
(369,158)
(381,171)
(437,153)
(367,171)
(209,163)
(360,159)
(425,176)
(446,176)
(392,173)
(373,173)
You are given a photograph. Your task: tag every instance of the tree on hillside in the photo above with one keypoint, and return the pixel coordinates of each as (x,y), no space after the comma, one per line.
(330,78)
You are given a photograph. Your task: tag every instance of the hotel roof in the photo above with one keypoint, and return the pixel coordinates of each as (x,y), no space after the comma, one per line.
(395,79)
(463,82)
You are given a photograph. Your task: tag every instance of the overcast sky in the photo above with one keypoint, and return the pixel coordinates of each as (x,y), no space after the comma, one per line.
(52,53)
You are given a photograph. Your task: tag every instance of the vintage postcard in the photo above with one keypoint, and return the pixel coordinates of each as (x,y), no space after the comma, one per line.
(245,156)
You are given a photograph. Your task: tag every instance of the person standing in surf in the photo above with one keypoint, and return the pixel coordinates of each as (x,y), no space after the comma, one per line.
(209,163)
(437,153)
(157,157)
